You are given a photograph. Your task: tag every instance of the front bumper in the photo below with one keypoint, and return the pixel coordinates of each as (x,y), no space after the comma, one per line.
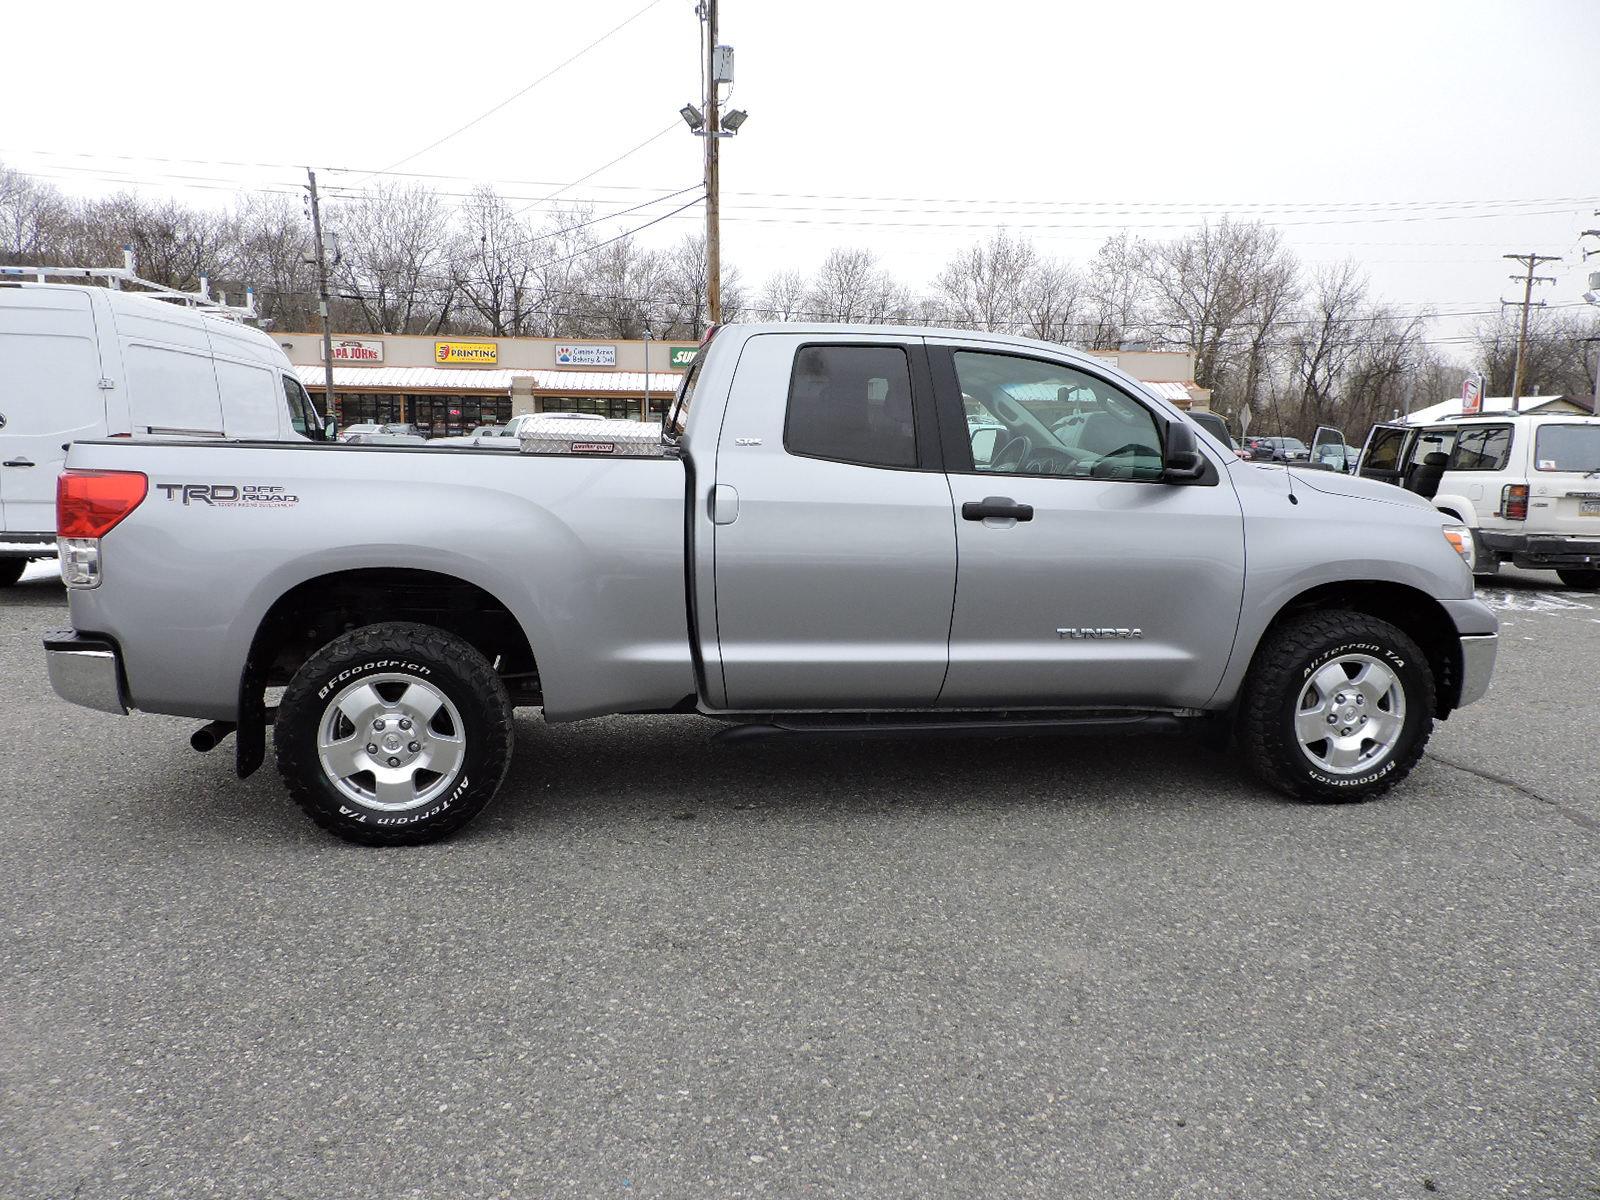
(1543,550)
(1478,652)
(86,670)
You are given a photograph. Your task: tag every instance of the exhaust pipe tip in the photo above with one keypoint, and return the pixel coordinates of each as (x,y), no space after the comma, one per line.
(210,735)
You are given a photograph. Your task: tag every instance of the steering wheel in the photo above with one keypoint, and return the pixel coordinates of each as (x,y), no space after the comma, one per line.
(1012,455)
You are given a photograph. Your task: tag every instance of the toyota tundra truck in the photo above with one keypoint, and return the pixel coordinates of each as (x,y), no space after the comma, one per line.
(807,546)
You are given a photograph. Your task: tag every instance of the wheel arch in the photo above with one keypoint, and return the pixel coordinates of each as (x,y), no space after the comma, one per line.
(1413,611)
(1460,508)
(318,609)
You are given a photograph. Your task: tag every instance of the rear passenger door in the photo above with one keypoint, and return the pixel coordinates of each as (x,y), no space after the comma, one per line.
(834,534)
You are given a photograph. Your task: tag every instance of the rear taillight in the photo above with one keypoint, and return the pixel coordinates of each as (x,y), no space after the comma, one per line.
(90,503)
(1514,502)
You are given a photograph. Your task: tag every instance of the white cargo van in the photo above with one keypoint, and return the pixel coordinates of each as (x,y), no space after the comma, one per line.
(79,361)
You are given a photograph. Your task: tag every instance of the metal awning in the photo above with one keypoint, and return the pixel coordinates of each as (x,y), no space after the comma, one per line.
(410,379)
(474,380)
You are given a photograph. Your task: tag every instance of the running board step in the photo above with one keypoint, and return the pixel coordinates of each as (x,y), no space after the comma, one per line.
(835,726)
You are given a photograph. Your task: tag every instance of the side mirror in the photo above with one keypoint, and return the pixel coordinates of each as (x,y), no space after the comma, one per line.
(330,429)
(1181,460)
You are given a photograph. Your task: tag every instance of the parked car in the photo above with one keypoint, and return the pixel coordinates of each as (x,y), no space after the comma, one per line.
(1527,485)
(79,361)
(798,550)
(1277,449)
(350,432)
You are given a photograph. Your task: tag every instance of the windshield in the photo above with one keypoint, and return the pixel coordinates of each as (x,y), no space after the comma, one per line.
(1567,448)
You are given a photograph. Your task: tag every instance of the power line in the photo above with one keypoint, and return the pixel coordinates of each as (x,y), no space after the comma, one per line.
(517,95)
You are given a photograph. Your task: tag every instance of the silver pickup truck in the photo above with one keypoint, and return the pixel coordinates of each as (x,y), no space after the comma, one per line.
(809,545)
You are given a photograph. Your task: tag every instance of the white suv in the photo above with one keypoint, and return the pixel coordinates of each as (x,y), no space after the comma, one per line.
(1527,485)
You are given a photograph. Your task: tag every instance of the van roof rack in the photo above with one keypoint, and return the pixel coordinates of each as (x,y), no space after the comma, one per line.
(115,277)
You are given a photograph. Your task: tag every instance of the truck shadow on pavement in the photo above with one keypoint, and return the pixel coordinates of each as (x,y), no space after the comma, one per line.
(628,771)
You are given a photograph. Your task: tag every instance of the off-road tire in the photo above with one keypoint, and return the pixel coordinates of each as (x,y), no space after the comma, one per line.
(1288,656)
(11,570)
(1583,580)
(443,660)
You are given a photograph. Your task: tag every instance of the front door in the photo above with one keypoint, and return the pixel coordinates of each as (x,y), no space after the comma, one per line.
(834,540)
(49,395)
(1084,579)
(1385,455)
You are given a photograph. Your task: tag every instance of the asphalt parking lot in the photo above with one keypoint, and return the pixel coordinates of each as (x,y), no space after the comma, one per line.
(654,968)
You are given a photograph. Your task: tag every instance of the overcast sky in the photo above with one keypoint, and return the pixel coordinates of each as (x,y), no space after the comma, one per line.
(1423,139)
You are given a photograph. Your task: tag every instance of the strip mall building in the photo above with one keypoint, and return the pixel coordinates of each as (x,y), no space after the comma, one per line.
(447,386)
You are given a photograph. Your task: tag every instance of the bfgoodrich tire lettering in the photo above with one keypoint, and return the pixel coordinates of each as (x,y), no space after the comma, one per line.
(1280,683)
(423,699)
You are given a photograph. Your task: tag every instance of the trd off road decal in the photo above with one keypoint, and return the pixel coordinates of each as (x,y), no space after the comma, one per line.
(230,495)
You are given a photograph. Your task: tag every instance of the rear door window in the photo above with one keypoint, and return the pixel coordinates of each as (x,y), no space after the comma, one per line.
(852,404)
(1482,449)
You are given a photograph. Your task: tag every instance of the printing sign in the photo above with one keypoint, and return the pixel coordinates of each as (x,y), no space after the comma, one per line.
(483,353)
(586,356)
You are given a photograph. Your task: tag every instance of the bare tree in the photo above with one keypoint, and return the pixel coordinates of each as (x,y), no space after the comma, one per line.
(1558,357)
(620,282)
(983,286)
(1208,287)
(850,286)
(32,216)
(492,264)
(274,257)
(1114,294)
(782,297)
(395,266)
(1327,337)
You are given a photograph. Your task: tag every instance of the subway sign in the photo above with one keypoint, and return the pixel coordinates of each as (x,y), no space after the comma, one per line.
(682,356)
(466,352)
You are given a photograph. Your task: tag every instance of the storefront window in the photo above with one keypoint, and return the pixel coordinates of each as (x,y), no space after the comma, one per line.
(452,416)
(619,409)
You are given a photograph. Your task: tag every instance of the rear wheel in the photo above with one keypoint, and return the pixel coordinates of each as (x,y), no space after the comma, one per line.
(1338,706)
(11,570)
(1584,579)
(394,734)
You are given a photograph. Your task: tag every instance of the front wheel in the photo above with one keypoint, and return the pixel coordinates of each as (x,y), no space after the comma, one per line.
(1338,707)
(394,734)
(11,570)
(1583,580)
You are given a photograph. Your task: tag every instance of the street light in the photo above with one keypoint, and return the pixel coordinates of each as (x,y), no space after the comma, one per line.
(692,118)
(733,118)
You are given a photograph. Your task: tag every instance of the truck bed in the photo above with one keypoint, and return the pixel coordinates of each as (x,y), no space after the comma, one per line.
(587,553)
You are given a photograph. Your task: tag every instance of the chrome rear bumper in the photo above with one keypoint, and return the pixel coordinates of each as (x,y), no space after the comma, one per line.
(85,670)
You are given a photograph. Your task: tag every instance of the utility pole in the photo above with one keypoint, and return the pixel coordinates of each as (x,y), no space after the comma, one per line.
(713,219)
(1592,296)
(322,295)
(713,124)
(1531,261)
